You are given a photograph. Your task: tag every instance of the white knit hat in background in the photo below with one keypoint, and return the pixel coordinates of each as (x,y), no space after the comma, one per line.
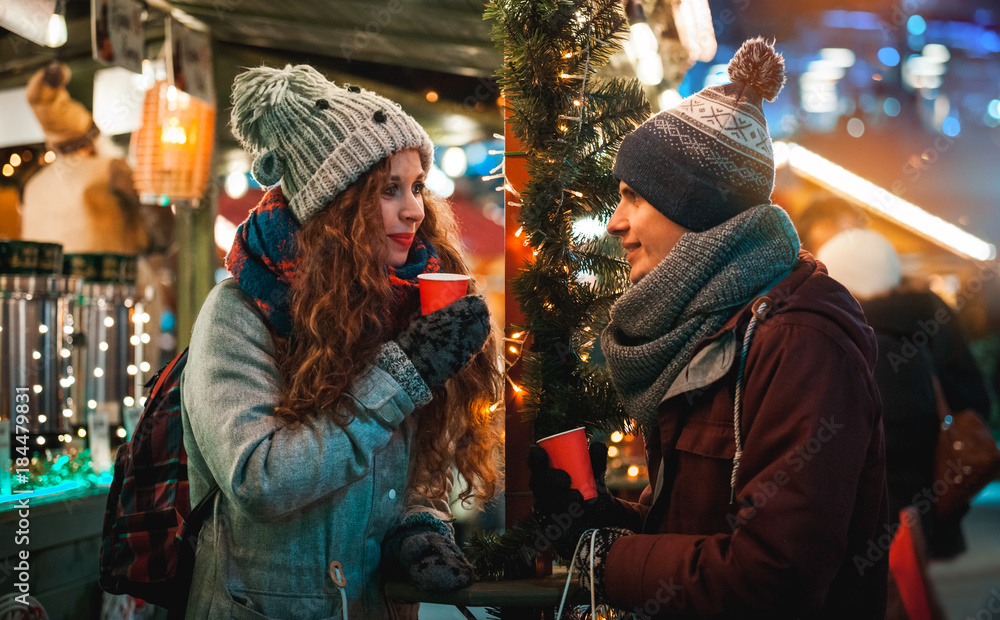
(863,261)
(317,137)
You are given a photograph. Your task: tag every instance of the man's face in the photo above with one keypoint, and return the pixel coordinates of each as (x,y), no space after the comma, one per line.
(646,234)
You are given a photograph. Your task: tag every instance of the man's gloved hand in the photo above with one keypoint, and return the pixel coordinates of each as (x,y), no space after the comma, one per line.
(562,509)
(442,343)
(602,540)
(423,548)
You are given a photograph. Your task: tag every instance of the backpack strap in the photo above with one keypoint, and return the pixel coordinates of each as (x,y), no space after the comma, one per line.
(199,512)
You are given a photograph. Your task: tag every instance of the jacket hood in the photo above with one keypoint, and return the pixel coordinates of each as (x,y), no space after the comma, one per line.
(809,288)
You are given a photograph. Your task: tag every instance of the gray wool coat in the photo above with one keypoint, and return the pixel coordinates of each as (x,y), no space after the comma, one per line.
(293,499)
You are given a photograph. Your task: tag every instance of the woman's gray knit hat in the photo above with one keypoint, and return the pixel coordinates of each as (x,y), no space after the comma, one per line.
(709,157)
(314,136)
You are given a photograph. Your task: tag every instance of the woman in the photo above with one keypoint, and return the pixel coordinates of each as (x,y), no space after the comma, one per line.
(324,406)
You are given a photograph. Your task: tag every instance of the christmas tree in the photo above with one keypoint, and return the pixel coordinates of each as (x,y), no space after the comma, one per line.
(569,123)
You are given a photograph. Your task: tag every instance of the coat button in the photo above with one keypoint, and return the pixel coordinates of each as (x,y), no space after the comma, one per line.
(392,493)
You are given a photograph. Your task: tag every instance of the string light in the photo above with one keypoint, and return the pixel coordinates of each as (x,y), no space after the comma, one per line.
(907,214)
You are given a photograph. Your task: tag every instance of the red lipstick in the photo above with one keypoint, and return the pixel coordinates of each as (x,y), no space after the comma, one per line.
(403,239)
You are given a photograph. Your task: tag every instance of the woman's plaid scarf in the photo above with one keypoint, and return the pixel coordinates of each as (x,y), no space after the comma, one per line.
(264,261)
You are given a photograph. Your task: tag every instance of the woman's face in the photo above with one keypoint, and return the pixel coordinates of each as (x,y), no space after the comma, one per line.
(403,204)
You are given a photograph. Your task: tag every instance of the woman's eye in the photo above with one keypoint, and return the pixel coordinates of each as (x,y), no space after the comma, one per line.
(417,188)
(390,190)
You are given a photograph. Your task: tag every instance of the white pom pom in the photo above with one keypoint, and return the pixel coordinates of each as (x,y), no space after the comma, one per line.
(757,64)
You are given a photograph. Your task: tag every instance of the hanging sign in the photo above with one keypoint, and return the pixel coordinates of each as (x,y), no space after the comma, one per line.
(189,61)
(117,33)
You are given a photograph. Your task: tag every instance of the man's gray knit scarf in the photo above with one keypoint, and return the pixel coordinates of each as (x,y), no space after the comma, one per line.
(689,296)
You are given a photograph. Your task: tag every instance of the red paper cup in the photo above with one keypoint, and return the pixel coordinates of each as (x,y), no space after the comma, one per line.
(568,451)
(437,290)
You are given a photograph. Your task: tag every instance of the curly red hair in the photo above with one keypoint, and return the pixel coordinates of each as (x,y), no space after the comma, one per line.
(339,302)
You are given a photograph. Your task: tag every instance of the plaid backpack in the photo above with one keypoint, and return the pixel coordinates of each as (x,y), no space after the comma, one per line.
(150,530)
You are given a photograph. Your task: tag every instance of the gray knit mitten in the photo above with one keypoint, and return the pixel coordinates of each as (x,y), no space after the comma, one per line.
(443,342)
(424,548)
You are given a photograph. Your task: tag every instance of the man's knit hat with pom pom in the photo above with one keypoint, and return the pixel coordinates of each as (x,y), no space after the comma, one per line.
(314,136)
(709,157)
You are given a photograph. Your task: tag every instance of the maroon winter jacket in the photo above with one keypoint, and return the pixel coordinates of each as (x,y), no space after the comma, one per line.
(807,533)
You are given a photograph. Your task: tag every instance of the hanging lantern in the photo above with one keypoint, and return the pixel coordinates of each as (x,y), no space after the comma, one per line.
(173,146)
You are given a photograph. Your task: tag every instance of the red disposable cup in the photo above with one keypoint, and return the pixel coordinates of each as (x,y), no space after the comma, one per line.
(437,290)
(568,451)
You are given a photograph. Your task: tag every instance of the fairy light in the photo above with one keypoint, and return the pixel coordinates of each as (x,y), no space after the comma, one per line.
(612,451)
(81,432)
(617,436)
(512,350)
(633,471)
(121,432)
(42,418)
(43,329)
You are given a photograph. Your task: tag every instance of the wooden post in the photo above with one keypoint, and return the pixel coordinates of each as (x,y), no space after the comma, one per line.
(197,260)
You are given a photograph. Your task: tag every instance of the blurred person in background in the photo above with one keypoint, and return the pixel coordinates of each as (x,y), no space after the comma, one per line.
(825,217)
(903,319)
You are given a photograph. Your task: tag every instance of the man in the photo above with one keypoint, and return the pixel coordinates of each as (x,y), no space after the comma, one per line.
(749,371)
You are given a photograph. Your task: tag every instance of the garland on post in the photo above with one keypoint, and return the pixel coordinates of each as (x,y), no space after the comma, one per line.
(570,124)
